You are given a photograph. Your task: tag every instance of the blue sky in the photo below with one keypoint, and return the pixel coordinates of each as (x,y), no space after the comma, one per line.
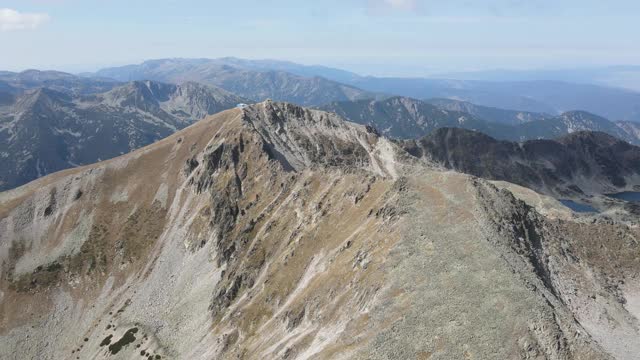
(381,37)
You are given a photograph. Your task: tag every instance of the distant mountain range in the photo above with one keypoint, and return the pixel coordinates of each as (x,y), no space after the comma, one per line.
(318,85)
(626,76)
(52,120)
(244,78)
(573,165)
(46,130)
(551,97)
(14,83)
(407,118)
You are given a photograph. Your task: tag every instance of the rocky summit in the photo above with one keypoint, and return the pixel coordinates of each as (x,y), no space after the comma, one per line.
(279,232)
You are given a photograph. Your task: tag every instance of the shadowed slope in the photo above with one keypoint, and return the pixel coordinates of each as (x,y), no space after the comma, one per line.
(583,162)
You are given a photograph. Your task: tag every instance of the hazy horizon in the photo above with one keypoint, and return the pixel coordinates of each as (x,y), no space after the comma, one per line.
(372,69)
(370,37)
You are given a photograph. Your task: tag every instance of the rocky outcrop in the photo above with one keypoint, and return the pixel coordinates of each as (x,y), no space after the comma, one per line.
(574,269)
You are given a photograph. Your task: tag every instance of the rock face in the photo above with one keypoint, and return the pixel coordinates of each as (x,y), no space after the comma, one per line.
(407,118)
(252,81)
(581,163)
(631,128)
(44,130)
(278,232)
(571,122)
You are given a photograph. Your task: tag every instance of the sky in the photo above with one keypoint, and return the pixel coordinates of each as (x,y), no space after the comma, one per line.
(374,37)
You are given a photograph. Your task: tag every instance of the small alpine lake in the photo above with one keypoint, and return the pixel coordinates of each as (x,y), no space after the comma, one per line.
(633,196)
(577,207)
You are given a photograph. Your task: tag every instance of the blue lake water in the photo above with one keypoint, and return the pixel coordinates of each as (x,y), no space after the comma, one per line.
(581,208)
(627,196)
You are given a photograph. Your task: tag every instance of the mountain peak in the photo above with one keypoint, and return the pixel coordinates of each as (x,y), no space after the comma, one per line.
(300,138)
(42,98)
(139,94)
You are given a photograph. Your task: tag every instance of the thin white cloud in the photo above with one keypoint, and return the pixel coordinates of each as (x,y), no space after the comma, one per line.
(452,7)
(381,6)
(401,4)
(13,20)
